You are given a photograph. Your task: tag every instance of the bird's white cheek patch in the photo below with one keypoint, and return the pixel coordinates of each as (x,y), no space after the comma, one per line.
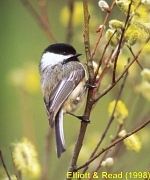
(50,59)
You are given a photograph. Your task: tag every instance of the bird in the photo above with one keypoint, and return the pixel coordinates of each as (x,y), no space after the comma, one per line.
(63,84)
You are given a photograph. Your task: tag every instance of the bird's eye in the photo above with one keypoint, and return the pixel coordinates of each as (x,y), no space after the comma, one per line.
(64,53)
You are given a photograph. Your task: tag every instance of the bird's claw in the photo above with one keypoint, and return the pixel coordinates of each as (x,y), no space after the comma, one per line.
(82,118)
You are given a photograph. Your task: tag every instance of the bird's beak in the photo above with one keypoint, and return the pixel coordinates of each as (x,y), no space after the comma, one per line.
(72,57)
(77,55)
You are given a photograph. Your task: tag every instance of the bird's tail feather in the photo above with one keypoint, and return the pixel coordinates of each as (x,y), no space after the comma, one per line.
(59,132)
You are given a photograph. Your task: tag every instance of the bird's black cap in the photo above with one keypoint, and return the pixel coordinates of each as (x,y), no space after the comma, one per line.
(61,48)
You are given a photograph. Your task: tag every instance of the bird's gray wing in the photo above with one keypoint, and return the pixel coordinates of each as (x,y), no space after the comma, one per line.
(61,92)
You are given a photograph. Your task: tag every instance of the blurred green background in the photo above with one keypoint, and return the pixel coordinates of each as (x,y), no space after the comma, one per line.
(22,112)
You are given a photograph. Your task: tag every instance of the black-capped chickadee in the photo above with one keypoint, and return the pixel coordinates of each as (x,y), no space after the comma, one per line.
(63,82)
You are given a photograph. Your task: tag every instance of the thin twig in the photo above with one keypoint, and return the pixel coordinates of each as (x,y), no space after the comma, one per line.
(110,59)
(39,20)
(44,15)
(130,49)
(3,163)
(15,170)
(69,33)
(121,41)
(103,53)
(48,146)
(101,29)
(114,143)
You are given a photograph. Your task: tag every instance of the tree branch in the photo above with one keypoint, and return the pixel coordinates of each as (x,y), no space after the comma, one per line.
(88,107)
(109,122)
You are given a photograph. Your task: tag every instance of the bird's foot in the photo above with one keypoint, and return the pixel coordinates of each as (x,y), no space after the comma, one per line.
(88,85)
(82,118)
